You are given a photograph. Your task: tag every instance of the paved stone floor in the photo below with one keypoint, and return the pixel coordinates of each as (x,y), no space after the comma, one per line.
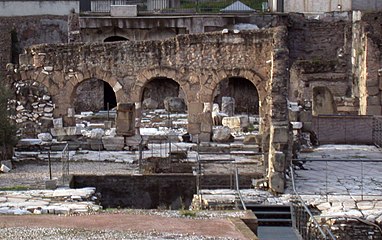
(341,181)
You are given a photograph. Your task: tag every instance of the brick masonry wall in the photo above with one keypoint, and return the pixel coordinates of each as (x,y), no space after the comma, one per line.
(30,30)
(320,57)
(344,129)
(5,48)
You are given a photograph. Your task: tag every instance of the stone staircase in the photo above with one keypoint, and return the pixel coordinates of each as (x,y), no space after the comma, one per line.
(274,222)
(272,215)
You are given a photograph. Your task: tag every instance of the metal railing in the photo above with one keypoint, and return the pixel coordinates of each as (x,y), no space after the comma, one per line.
(356,177)
(377,131)
(238,189)
(305,221)
(170,6)
(65,165)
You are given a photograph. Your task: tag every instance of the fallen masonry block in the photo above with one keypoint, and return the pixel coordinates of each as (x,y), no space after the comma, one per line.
(236,123)
(7,163)
(51,184)
(113,143)
(4,168)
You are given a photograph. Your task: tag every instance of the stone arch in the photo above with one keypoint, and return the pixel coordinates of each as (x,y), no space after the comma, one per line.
(323,101)
(257,80)
(93,95)
(115,39)
(254,77)
(85,74)
(147,75)
(157,89)
(243,91)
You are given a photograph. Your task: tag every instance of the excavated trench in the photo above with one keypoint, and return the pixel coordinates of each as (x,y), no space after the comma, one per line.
(162,185)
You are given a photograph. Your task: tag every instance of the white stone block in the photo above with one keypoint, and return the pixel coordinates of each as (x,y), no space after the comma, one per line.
(123,10)
(58,123)
(4,168)
(46,137)
(237,122)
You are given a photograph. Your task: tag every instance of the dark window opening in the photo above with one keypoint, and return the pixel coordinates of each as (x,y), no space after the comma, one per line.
(115,39)
(15,47)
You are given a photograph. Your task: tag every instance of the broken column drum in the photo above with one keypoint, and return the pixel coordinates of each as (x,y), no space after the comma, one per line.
(228,106)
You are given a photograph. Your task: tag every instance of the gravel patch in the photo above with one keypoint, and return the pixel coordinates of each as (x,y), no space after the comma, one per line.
(179,214)
(81,234)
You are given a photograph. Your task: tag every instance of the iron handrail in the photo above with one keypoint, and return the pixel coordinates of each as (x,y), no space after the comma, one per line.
(322,232)
(65,162)
(335,160)
(238,189)
(65,149)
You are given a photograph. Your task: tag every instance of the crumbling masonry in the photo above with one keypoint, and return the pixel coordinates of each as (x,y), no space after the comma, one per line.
(328,66)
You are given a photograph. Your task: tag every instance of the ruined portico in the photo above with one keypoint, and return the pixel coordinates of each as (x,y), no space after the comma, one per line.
(196,62)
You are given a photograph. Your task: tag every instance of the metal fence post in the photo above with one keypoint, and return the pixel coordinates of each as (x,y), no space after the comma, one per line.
(326,181)
(361,180)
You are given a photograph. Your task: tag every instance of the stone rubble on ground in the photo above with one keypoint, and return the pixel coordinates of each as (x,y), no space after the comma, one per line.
(59,201)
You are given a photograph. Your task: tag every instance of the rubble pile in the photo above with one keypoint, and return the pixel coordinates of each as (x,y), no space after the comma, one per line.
(161,118)
(59,201)
(33,108)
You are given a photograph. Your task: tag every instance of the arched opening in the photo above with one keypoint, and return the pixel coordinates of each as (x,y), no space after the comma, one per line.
(242,91)
(236,105)
(115,39)
(93,95)
(323,101)
(163,107)
(157,90)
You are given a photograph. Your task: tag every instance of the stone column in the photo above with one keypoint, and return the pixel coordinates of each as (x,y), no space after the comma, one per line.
(138,116)
(279,133)
(228,106)
(277,158)
(125,122)
(200,121)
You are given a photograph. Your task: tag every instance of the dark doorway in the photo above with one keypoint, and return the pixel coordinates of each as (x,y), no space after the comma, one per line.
(115,39)
(158,89)
(93,95)
(243,91)
(109,96)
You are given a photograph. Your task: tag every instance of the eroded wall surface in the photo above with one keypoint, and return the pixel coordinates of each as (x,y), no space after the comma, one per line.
(16,33)
(367,61)
(196,62)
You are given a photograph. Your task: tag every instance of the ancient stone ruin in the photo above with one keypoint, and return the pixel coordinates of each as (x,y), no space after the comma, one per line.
(192,101)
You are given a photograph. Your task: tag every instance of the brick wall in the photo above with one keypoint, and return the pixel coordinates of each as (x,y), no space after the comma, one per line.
(344,129)
(30,30)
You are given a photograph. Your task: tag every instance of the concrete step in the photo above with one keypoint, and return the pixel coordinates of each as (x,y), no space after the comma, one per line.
(277,233)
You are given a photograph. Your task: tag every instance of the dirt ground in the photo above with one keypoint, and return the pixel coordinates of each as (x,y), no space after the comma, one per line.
(211,228)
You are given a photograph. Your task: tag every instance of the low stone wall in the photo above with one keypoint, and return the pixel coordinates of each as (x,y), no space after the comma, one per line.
(172,191)
(141,191)
(227,181)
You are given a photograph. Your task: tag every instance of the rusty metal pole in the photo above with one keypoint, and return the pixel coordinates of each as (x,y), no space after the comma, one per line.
(50,164)
(108,111)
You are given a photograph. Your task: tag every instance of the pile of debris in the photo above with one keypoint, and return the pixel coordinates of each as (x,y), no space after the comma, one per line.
(32,106)
(59,201)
